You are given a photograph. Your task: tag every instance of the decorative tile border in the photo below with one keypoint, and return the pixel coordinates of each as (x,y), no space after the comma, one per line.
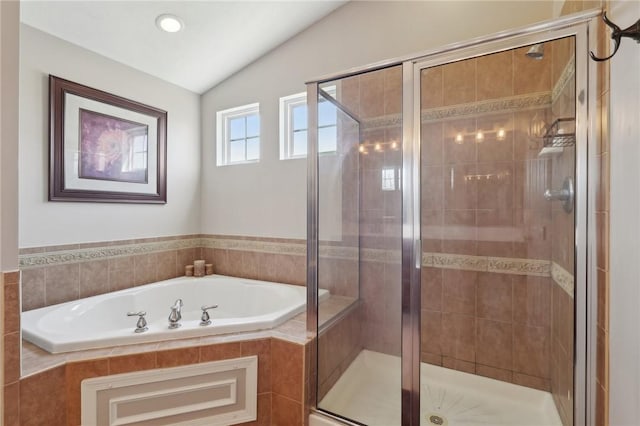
(500,265)
(506,104)
(60,257)
(563,278)
(493,106)
(567,74)
(294,249)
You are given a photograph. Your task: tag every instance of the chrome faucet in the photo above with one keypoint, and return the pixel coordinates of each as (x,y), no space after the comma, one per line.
(175,316)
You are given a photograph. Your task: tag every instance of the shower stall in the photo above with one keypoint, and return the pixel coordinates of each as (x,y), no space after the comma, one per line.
(447,207)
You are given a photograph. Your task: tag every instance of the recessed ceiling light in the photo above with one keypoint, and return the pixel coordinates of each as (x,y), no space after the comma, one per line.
(169,23)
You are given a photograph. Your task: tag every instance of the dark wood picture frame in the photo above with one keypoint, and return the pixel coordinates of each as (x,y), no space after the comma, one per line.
(60,188)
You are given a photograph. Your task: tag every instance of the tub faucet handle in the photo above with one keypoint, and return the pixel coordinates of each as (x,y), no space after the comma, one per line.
(176,314)
(141,325)
(206,319)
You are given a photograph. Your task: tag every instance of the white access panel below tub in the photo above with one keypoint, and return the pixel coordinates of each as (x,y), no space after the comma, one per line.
(213,393)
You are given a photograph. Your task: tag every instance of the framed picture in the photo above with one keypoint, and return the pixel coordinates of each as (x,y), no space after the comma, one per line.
(104,148)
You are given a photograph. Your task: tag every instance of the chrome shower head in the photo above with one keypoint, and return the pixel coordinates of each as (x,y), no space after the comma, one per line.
(536,51)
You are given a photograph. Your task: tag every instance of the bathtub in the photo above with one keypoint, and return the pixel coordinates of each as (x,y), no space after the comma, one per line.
(102,321)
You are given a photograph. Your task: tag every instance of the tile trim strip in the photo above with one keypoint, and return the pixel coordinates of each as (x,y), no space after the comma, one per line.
(503,265)
(500,265)
(493,106)
(563,278)
(61,257)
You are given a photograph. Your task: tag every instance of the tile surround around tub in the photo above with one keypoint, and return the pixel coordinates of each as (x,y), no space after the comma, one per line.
(58,274)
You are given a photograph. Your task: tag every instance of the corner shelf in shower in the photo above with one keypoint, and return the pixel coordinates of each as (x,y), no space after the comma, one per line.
(561,134)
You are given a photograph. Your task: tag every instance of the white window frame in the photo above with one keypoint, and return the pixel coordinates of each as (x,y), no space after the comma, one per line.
(287,103)
(222,133)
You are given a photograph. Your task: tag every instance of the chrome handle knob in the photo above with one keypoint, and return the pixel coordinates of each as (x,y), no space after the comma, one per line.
(141,325)
(556,195)
(205,319)
(566,195)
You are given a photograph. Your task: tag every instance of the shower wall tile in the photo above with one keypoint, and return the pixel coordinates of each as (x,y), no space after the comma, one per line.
(495,75)
(532,76)
(456,151)
(494,340)
(372,94)
(534,241)
(457,364)
(460,232)
(459,291)
(458,336)
(495,185)
(431,88)
(459,82)
(431,289)
(495,147)
(431,332)
(494,373)
(494,296)
(460,193)
(496,233)
(432,144)
(432,230)
(393,90)
(532,300)
(532,382)
(531,350)
(350,93)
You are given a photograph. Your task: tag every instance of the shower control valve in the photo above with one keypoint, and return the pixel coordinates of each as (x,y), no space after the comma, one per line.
(141,325)
(206,319)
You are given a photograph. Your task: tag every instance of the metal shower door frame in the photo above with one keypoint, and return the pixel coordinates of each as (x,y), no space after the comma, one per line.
(581,25)
(584,276)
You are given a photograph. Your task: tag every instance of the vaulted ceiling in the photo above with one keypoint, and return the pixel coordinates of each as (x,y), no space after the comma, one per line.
(218,39)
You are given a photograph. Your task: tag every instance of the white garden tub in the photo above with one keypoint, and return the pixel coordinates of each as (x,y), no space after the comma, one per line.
(102,321)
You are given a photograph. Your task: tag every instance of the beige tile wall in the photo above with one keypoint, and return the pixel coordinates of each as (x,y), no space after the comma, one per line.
(53,396)
(376,99)
(484,198)
(85,275)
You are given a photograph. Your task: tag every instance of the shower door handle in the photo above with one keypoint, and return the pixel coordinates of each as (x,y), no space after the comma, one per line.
(417,247)
(566,195)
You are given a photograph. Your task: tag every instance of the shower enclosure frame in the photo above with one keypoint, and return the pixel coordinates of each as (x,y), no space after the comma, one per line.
(583,27)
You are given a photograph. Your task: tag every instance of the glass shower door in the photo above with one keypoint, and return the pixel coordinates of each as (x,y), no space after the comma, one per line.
(498,162)
(359,330)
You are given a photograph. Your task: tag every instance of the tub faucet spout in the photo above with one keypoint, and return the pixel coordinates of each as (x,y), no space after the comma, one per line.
(176,314)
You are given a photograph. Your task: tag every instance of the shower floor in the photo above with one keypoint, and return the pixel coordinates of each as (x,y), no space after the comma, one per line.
(369,392)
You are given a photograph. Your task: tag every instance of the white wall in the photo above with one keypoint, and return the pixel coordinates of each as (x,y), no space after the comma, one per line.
(624,115)
(9,30)
(50,223)
(269,198)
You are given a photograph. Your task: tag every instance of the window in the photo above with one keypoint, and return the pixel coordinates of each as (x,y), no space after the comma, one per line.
(293,125)
(238,135)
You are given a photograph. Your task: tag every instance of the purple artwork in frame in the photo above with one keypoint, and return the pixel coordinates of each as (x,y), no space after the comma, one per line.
(104,148)
(112,148)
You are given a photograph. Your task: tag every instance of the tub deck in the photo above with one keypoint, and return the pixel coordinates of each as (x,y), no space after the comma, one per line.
(36,360)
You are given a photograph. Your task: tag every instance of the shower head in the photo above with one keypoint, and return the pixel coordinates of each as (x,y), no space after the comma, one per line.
(536,51)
